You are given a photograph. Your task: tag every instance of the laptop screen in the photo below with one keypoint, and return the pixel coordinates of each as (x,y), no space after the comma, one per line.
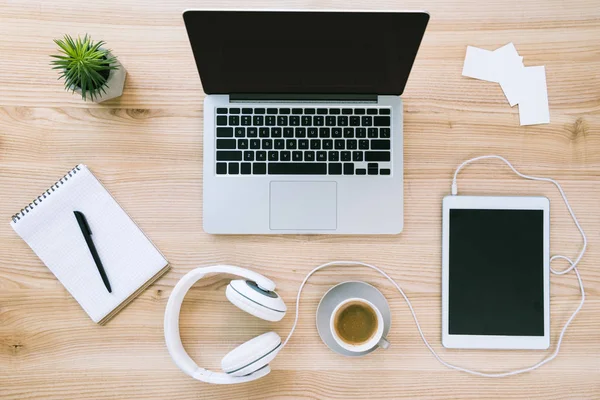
(270,52)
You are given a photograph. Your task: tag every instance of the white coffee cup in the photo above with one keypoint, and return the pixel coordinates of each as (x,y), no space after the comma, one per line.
(376,340)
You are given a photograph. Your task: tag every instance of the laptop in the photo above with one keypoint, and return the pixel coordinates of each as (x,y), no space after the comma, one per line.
(303,118)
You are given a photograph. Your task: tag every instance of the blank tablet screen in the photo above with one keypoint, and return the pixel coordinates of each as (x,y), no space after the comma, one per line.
(496,272)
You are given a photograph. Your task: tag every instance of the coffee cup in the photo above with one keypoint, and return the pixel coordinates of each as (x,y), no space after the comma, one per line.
(357,325)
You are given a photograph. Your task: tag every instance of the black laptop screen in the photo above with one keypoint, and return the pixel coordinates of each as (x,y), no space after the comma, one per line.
(304,52)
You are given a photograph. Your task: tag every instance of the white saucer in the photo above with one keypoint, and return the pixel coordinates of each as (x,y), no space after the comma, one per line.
(344,291)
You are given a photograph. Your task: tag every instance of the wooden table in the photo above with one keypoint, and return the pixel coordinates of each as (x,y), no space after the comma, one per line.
(147,149)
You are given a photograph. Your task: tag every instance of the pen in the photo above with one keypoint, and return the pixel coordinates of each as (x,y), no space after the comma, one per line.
(87,235)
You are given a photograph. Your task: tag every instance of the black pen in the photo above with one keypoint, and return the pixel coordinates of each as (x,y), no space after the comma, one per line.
(87,235)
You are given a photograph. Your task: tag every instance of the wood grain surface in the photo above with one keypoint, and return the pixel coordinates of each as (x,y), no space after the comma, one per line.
(147,149)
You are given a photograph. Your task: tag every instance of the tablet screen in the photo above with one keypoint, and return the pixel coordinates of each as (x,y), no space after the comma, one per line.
(496,272)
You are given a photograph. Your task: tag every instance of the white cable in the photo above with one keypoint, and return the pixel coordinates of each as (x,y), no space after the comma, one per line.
(573,266)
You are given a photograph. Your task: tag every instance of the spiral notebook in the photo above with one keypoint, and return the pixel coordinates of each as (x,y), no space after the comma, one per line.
(131,261)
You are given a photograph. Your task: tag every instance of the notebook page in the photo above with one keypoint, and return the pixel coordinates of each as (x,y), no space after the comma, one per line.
(52,232)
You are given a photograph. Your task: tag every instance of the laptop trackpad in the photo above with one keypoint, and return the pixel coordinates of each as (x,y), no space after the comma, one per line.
(303,205)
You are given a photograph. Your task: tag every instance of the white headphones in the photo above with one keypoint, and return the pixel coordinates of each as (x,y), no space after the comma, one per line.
(256,296)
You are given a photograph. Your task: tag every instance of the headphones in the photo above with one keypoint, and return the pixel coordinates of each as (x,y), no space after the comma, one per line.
(250,361)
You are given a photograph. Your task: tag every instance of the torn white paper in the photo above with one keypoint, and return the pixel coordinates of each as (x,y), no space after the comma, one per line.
(480,64)
(533,100)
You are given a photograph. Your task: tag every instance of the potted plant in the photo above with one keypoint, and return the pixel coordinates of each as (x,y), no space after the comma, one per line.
(89,69)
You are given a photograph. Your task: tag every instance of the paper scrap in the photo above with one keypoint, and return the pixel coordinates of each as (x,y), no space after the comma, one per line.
(533,101)
(508,64)
(480,64)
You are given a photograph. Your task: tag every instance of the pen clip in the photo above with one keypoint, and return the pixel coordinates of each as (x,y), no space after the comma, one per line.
(83,224)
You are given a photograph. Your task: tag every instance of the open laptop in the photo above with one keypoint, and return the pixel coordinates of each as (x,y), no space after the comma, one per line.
(303,119)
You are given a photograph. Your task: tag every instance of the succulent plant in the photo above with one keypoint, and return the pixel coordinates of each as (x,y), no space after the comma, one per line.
(84,65)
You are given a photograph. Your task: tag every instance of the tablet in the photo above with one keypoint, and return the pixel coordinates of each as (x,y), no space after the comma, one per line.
(496,272)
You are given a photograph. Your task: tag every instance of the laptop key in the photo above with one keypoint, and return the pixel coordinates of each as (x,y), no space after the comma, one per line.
(335,168)
(334,111)
(267,144)
(234,168)
(285,155)
(315,144)
(229,144)
(296,156)
(336,132)
(259,168)
(295,120)
(327,144)
(380,144)
(321,156)
(229,156)
(246,168)
(346,156)
(246,111)
(340,144)
(348,133)
(259,111)
(357,156)
(284,111)
(318,120)
(248,156)
(255,144)
(384,111)
(354,121)
(252,132)
(279,144)
(377,156)
(348,169)
(347,111)
(359,111)
(352,144)
(288,132)
(384,171)
(221,120)
(261,155)
(334,156)
(270,120)
(303,144)
(361,133)
(309,111)
(221,111)
(276,132)
(290,144)
(363,144)
(373,133)
(381,121)
(240,132)
(246,120)
(271,111)
(361,171)
(306,120)
(309,156)
(312,132)
(234,111)
(264,132)
(371,111)
(297,111)
(242,144)
(273,156)
(300,132)
(367,121)
(282,120)
(322,111)
(384,133)
(342,120)
(224,132)
(234,120)
(324,132)
(297,168)
(221,168)
(331,120)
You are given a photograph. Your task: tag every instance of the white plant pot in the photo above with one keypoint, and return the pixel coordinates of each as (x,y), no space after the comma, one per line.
(114,85)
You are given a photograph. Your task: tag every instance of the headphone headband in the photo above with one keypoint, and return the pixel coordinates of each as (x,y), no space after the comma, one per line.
(173,337)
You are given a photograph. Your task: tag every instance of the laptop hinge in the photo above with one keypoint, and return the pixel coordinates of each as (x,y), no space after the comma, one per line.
(304,98)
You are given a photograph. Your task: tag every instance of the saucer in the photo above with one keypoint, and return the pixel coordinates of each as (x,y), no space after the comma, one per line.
(339,293)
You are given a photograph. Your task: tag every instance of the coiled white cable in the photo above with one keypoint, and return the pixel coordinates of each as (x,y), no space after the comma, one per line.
(573,266)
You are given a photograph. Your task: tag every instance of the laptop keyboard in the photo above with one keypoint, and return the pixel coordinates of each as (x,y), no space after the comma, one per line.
(303,141)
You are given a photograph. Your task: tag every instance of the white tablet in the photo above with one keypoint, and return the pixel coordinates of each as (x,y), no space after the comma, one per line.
(496,272)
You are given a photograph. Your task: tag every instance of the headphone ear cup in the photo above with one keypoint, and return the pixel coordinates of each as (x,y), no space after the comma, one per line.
(263,304)
(252,355)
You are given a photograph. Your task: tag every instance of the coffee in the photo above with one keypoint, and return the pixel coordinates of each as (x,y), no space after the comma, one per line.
(355,323)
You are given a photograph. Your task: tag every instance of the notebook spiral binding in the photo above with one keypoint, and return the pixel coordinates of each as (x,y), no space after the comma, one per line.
(24,211)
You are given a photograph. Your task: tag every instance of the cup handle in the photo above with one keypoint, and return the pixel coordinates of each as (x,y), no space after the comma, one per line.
(383,343)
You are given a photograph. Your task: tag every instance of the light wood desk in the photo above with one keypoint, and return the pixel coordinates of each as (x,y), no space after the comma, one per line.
(147,149)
